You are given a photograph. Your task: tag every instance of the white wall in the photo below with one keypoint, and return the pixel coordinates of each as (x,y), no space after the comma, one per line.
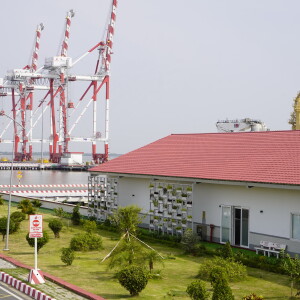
(276,204)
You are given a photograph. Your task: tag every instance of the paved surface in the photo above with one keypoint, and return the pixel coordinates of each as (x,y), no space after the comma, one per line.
(9,293)
(50,288)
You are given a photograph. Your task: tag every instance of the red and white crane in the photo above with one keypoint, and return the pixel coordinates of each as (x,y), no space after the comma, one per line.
(54,77)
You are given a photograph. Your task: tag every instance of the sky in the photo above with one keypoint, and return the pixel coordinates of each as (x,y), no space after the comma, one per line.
(178,66)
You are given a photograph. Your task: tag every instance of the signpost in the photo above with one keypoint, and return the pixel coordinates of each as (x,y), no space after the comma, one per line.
(35,231)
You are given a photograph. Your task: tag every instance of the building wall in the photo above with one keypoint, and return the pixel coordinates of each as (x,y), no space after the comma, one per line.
(269,208)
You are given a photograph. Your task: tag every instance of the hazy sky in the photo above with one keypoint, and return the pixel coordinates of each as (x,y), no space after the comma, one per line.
(178,66)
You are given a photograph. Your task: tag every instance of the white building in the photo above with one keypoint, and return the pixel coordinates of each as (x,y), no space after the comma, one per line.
(72,158)
(241,187)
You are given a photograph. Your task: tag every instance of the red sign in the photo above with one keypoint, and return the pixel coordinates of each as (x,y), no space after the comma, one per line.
(35,226)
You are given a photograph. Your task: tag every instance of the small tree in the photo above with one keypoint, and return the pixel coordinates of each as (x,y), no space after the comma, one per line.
(59,212)
(133,278)
(40,241)
(76,215)
(221,290)
(67,256)
(127,218)
(26,207)
(292,267)
(151,257)
(189,241)
(197,290)
(3,226)
(56,226)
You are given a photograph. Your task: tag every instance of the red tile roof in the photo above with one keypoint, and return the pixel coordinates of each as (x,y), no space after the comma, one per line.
(266,157)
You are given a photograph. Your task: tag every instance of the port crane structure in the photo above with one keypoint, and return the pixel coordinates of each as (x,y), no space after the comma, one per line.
(53,80)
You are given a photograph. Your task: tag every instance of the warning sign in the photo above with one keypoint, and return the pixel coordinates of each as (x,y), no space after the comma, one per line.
(35,226)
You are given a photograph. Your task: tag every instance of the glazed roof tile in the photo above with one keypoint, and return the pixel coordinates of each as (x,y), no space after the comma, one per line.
(265,157)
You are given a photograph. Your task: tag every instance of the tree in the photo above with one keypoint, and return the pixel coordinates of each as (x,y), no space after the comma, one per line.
(151,257)
(197,290)
(67,256)
(127,253)
(292,267)
(76,215)
(26,207)
(127,218)
(293,119)
(189,241)
(18,216)
(40,241)
(3,227)
(56,226)
(133,278)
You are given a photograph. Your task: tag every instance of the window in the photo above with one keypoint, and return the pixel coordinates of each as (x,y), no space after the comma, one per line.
(296,226)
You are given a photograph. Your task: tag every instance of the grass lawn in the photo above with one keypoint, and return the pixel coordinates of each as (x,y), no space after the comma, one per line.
(88,273)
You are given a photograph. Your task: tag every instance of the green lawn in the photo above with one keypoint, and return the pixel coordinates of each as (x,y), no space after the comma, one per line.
(88,273)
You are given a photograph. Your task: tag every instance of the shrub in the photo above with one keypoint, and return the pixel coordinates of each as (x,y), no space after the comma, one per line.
(56,226)
(76,215)
(36,203)
(216,274)
(18,216)
(234,271)
(253,297)
(89,226)
(67,256)
(189,241)
(40,241)
(222,290)
(133,278)
(1,201)
(226,251)
(3,226)
(59,212)
(197,290)
(86,242)
(26,207)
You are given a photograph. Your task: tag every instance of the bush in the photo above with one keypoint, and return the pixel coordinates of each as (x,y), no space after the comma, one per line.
(1,201)
(18,216)
(36,203)
(222,290)
(89,226)
(67,256)
(26,207)
(56,226)
(133,278)
(197,290)
(234,271)
(253,297)
(13,227)
(40,241)
(226,251)
(217,274)
(189,241)
(59,212)
(86,242)
(76,216)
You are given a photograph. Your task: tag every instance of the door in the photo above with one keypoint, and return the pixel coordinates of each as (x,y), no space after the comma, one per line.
(241,227)
(226,224)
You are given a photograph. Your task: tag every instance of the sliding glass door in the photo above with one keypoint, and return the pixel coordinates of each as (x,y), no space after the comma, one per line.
(226,224)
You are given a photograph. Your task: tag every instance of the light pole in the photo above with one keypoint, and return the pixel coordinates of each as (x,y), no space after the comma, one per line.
(10,183)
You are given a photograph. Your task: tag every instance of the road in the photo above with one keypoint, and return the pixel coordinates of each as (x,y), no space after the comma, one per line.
(9,293)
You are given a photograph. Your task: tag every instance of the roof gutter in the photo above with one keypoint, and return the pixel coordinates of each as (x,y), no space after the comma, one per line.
(247,184)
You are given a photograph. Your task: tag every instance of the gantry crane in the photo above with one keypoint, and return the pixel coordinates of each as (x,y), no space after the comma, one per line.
(54,78)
